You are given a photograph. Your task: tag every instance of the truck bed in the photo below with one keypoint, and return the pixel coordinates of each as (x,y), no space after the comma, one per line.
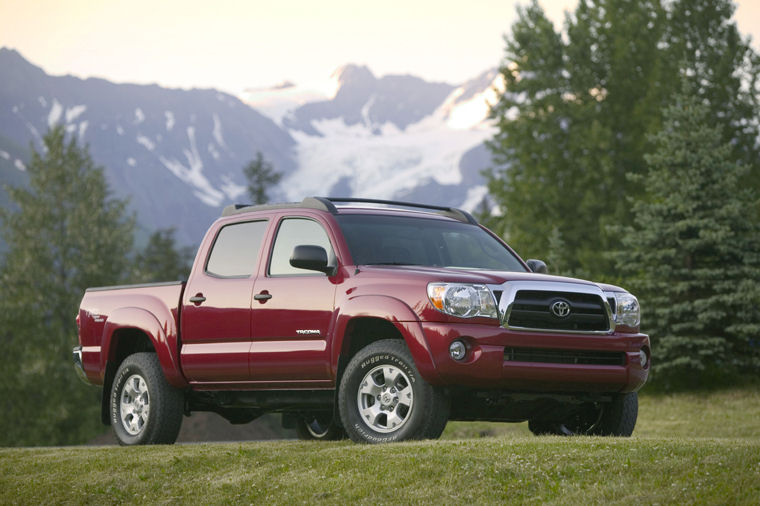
(107,311)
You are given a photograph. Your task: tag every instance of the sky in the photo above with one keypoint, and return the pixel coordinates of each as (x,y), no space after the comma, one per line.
(233,45)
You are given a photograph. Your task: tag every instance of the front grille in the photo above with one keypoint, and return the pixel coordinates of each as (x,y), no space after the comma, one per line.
(531,309)
(548,356)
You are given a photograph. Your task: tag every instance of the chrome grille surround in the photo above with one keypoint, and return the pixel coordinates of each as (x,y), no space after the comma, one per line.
(554,289)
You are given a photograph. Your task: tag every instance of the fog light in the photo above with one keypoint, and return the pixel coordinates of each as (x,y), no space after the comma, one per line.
(457,350)
(643,358)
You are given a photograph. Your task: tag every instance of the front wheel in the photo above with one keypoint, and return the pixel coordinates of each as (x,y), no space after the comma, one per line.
(383,398)
(145,409)
(616,418)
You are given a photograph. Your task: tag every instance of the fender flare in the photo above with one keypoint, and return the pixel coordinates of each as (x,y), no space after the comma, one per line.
(162,332)
(397,313)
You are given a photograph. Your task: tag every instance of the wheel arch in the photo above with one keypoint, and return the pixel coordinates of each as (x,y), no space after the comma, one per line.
(366,319)
(130,330)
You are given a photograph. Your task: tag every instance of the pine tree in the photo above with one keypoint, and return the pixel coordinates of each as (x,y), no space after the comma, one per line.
(579,105)
(260,175)
(572,123)
(722,69)
(694,250)
(66,234)
(162,259)
(534,87)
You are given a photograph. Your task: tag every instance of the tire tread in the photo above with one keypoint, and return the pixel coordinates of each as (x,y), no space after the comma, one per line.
(436,406)
(166,405)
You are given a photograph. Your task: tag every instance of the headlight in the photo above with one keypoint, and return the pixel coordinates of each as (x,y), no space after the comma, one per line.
(464,301)
(627,310)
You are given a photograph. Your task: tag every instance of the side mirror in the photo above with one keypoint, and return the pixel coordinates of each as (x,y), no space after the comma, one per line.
(313,258)
(537,266)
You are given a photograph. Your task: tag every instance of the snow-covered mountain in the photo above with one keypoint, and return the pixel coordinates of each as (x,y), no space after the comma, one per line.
(178,154)
(394,137)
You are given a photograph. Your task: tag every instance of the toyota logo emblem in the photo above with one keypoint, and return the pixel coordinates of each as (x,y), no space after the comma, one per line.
(560,308)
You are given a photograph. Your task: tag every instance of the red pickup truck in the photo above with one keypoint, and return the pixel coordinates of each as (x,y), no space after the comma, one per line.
(374,319)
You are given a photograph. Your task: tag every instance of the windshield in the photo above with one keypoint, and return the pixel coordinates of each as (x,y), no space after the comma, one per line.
(403,240)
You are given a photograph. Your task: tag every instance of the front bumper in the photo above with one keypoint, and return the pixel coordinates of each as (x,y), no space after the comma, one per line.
(491,362)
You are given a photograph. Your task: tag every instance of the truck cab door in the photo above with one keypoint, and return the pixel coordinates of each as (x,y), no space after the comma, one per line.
(292,312)
(216,306)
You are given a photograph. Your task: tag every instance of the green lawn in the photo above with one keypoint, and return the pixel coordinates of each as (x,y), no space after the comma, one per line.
(688,448)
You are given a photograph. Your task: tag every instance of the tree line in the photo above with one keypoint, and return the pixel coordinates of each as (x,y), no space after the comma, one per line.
(627,152)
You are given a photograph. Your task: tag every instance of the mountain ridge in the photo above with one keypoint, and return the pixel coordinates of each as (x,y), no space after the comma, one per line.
(178,154)
(165,149)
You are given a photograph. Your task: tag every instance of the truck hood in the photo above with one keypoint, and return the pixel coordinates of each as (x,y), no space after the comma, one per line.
(462,275)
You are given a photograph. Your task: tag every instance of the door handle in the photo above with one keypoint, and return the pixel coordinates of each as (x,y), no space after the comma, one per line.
(263,296)
(198,299)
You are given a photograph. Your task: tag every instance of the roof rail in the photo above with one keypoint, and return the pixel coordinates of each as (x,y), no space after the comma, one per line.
(319,203)
(327,204)
(452,212)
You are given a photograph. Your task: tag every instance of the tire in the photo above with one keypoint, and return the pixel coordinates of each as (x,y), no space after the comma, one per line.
(319,427)
(145,409)
(382,397)
(617,418)
(620,416)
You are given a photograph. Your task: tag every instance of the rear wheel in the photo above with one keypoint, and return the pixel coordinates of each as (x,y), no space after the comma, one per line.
(145,409)
(383,398)
(616,418)
(319,427)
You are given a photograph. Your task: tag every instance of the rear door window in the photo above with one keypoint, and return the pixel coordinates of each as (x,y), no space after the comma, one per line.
(236,249)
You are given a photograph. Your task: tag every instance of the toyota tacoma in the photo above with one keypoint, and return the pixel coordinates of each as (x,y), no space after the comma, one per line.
(375,320)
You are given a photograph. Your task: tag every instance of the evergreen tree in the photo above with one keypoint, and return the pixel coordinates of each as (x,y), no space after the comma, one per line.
(572,123)
(694,251)
(530,138)
(722,70)
(162,259)
(66,234)
(579,107)
(260,175)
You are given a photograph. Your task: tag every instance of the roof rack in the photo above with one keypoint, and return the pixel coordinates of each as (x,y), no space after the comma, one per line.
(307,203)
(327,204)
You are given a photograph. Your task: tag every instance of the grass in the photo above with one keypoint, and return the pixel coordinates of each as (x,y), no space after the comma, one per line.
(689,448)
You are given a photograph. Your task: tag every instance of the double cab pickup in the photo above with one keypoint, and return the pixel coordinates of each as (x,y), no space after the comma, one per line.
(375,320)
